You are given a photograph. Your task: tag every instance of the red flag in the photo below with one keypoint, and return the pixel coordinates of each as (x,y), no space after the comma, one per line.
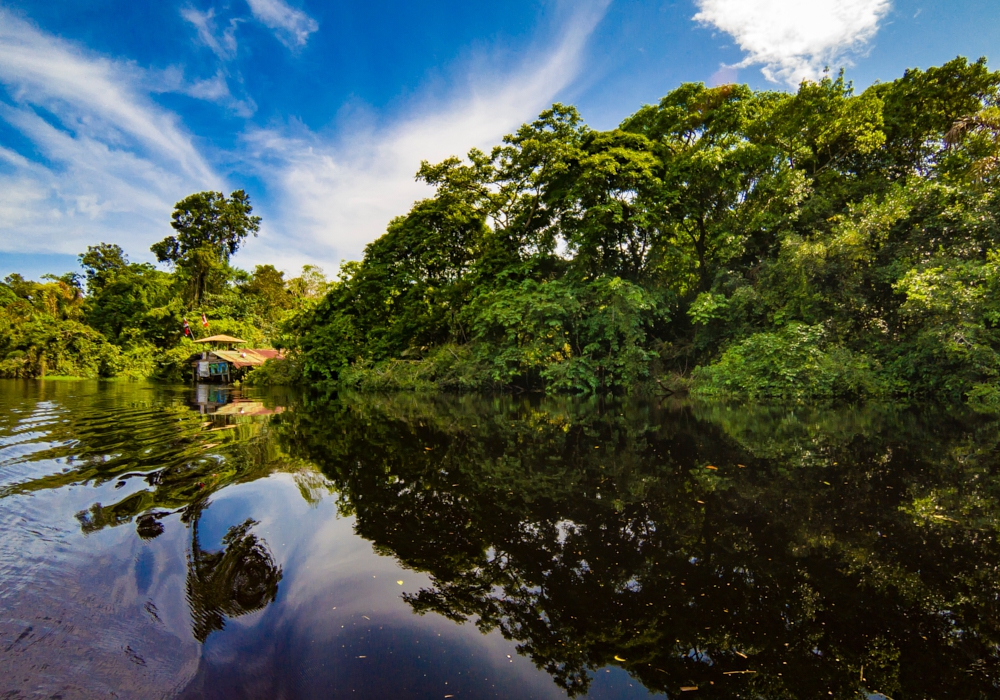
(204,320)
(187,328)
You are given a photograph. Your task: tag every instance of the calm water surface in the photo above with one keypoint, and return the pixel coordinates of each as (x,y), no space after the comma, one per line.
(204,543)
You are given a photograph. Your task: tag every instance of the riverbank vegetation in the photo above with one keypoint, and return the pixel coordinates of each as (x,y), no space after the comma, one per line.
(822,243)
(125,319)
(826,243)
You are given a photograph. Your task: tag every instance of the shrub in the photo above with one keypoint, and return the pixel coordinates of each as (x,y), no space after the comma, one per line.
(284,372)
(449,367)
(985,398)
(172,365)
(567,336)
(794,362)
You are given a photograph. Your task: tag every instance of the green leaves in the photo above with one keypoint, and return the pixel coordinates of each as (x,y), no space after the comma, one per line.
(921,107)
(795,362)
(707,307)
(210,229)
(566,336)
(819,243)
(208,219)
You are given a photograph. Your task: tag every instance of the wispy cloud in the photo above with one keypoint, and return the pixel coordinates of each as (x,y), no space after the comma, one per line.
(222,44)
(214,89)
(111,162)
(106,162)
(334,194)
(291,26)
(795,39)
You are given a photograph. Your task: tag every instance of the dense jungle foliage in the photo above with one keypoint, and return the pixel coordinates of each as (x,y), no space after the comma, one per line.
(124,319)
(822,243)
(762,244)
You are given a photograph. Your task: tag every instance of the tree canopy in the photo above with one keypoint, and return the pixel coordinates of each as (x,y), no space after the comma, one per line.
(210,229)
(824,242)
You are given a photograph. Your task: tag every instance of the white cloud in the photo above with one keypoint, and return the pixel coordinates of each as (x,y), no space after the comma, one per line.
(291,26)
(107,163)
(112,162)
(795,39)
(222,45)
(213,89)
(216,89)
(337,193)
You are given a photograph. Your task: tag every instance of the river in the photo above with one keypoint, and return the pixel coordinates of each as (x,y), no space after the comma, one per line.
(204,542)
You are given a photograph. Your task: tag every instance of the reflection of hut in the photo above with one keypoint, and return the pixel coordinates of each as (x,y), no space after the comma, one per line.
(226,365)
(221,400)
(242,407)
(209,398)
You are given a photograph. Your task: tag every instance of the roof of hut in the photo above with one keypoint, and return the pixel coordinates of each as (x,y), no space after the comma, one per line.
(220,339)
(248,358)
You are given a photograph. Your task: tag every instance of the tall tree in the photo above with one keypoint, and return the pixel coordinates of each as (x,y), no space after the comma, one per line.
(101,263)
(210,229)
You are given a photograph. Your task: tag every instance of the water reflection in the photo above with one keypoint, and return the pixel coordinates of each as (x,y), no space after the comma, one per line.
(742,551)
(241,578)
(166,460)
(748,553)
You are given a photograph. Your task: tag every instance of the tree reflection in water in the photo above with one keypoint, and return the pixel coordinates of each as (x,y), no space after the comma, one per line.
(749,553)
(239,579)
(180,459)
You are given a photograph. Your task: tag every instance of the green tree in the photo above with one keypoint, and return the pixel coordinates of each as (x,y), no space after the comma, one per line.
(210,229)
(309,286)
(42,331)
(138,304)
(101,263)
(267,285)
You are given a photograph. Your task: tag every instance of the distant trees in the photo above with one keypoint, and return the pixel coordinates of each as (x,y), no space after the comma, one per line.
(43,331)
(101,263)
(817,243)
(126,319)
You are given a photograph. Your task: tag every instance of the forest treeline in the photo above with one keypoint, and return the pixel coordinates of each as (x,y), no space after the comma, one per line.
(820,243)
(126,319)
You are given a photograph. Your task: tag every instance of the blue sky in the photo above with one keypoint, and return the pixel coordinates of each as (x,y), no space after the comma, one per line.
(111,111)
